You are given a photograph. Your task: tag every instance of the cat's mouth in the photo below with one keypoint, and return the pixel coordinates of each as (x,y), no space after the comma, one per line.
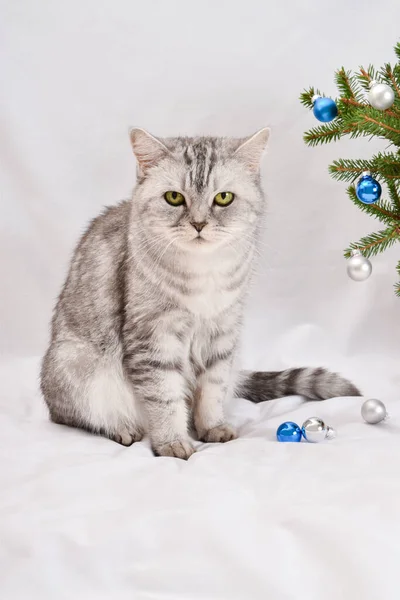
(199,239)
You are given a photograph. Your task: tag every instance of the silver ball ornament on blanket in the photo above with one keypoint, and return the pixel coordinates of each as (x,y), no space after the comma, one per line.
(314,430)
(373,411)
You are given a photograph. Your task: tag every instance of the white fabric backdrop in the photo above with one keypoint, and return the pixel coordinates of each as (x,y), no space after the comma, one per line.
(81,517)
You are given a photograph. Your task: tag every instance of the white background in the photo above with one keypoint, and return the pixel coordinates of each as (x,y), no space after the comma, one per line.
(74,77)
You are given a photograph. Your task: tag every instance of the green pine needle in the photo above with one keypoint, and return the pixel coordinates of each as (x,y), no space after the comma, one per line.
(349,170)
(375,243)
(397,285)
(343,82)
(382,166)
(393,189)
(365,76)
(323,134)
(368,121)
(397,51)
(348,86)
(307,95)
(383,211)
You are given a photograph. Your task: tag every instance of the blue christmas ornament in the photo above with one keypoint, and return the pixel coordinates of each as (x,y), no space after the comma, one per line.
(325,109)
(288,432)
(368,190)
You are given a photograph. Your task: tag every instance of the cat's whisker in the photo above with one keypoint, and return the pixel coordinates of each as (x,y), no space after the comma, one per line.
(250,236)
(149,244)
(255,250)
(160,256)
(250,245)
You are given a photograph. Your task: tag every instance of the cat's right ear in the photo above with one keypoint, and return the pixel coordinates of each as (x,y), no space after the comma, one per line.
(251,149)
(147,149)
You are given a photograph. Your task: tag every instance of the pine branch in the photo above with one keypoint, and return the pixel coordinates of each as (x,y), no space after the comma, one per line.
(346,85)
(366,76)
(350,102)
(323,134)
(397,285)
(368,121)
(382,211)
(348,169)
(307,95)
(397,51)
(356,118)
(388,75)
(359,120)
(373,244)
(386,166)
(394,194)
(385,124)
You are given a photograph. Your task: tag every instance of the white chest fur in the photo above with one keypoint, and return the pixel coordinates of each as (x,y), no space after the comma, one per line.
(210,296)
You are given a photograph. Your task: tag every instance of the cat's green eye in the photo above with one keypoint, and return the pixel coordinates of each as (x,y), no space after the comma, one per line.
(174,198)
(224,198)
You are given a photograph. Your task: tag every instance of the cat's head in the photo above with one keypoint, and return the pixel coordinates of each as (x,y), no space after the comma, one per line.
(199,193)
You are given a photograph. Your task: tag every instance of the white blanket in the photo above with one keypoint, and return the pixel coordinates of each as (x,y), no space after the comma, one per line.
(82,517)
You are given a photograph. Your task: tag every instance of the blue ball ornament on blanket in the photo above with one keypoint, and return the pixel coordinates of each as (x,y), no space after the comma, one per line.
(324,109)
(288,432)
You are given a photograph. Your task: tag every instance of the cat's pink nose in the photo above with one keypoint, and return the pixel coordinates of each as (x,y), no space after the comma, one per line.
(198,226)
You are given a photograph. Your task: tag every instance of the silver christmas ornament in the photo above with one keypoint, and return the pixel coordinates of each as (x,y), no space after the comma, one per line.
(359,268)
(380,95)
(373,411)
(314,430)
(330,433)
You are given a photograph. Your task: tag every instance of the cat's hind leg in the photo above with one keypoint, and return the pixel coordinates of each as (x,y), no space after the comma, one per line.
(88,389)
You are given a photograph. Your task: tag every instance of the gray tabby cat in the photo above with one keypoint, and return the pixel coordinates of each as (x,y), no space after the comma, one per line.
(146,327)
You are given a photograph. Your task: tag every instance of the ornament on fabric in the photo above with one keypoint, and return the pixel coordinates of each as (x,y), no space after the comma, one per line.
(359,268)
(288,432)
(324,109)
(368,190)
(373,411)
(314,430)
(380,95)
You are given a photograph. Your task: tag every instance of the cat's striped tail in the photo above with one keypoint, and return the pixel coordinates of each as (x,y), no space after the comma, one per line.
(314,384)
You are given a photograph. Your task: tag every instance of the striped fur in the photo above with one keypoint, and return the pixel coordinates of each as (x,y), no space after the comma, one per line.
(146,327)
(314,384)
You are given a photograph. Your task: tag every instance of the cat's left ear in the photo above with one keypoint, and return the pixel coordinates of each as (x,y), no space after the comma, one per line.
(148,149)
(251,149)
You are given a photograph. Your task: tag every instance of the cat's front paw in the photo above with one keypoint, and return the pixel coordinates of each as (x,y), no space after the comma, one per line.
(178,448)
(127,437)
(221,434)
